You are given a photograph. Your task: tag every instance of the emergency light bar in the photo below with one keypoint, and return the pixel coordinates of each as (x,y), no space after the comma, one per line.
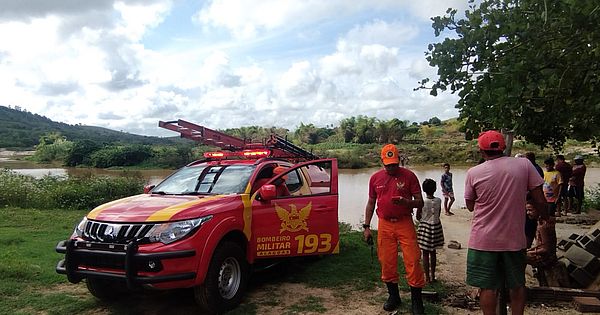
(249,154)
(256,153)
(214,155)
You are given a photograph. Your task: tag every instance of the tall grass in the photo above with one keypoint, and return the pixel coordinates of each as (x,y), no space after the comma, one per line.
(70,192)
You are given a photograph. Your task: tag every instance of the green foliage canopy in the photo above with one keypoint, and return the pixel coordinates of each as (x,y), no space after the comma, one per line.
(526,65)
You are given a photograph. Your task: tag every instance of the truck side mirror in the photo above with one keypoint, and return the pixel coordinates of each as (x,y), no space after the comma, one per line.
(268,192)
(148,188)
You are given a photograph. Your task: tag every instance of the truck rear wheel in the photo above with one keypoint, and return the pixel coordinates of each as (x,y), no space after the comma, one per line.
(106,290)
(225,281)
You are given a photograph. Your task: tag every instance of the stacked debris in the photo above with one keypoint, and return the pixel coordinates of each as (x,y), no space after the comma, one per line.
(580,257)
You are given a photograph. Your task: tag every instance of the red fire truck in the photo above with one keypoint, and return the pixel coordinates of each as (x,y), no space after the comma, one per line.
(206,225)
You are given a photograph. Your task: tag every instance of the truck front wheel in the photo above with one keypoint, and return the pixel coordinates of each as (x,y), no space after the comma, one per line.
(106,290)
(225,280)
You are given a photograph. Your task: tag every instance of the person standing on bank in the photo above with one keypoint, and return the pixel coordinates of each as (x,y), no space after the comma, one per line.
(565,169)
(397,192)
(430,234)
(553,183)
(577,183)
(447,190)
(496,193)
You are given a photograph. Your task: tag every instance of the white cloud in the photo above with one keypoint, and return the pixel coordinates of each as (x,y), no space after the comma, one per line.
(247,18)
(299,81)
(292,61)
(384,33)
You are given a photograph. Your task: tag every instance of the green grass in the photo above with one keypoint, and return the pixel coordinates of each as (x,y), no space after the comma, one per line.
(352,270)
(309,304)
(30,284)
(28,259)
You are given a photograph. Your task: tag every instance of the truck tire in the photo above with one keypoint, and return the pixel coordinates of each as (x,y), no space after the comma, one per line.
(225,281)
(106,290)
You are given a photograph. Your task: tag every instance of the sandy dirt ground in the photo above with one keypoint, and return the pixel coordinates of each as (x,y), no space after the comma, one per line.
(451,270)
(273,297)
(8,155)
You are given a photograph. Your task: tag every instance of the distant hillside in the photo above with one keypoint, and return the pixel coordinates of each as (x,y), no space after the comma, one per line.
(21,129)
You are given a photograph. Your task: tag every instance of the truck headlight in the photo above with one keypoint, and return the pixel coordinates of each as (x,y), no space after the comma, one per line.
(167,233)
(80,228)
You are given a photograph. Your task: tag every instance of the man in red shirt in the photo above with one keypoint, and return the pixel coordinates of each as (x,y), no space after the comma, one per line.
(576,183)
(397,191)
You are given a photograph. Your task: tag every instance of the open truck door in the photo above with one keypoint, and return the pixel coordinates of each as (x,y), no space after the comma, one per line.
(301,219)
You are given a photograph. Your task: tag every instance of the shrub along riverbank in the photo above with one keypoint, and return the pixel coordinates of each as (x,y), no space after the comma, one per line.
(70,192)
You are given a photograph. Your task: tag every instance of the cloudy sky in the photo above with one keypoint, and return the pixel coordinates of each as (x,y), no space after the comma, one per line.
(125,65)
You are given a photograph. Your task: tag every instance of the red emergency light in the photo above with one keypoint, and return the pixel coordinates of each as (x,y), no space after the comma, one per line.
(256,153)
(248,154)
(214,155)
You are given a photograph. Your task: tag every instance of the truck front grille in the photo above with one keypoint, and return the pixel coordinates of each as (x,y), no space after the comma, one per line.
(115,232)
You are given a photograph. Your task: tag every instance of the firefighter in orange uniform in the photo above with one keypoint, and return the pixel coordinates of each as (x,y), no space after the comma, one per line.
(280,184)
(397,192)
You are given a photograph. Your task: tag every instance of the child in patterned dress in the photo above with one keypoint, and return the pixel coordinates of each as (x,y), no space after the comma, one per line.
(430,234)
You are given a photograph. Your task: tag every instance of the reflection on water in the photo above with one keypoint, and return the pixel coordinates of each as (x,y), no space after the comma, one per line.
(354,188)
(353,184)
(37,171)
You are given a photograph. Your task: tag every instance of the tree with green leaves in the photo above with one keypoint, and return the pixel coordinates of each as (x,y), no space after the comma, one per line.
(524,65)
(365,129)
(347,129)
(52,146)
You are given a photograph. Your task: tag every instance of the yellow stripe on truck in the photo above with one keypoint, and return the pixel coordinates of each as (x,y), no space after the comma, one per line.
(167,213)
(94,213)
(247,215)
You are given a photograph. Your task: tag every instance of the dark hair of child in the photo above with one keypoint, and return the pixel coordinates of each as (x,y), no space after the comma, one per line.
(446,164)
(429,186)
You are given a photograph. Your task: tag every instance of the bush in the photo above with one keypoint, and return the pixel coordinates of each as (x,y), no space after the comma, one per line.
(65,193)
(592,198)
(16,189)
(170,156)
(120,156)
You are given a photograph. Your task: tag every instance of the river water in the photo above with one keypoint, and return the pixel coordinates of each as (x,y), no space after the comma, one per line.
(353,184)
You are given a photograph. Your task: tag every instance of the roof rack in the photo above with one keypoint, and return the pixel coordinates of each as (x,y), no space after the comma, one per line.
(280,147)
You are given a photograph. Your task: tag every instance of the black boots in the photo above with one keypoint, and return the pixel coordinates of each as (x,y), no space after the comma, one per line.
(393,300)
(416,300)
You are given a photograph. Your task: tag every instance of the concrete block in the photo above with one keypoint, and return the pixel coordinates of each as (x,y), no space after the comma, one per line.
(579,256)
(568,264)
(564,245)
(594,234)
(574,237)
(589,245)
(592,267)
(582,277)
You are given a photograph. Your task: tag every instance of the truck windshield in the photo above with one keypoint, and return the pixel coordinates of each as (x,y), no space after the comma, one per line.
(210,180)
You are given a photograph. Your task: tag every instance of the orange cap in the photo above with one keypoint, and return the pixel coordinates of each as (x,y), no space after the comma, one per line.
(278,170)
(389,154)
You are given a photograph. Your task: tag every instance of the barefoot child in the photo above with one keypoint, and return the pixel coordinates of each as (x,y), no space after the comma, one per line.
(447,189)
(430,234)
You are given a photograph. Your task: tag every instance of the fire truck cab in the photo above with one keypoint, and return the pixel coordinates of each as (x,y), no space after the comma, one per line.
(207,224)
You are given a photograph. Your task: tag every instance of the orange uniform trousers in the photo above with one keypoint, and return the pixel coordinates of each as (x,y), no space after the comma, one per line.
(389,235)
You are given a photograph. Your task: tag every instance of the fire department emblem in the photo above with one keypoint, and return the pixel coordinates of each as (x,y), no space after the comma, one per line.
(400,185)
(294,220)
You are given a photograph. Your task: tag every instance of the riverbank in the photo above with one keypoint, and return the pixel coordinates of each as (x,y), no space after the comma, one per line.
(12,155)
